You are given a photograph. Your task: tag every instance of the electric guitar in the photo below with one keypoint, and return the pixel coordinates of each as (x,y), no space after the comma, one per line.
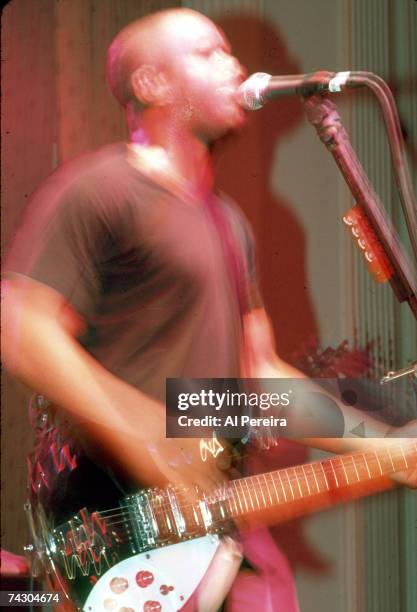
(151,552)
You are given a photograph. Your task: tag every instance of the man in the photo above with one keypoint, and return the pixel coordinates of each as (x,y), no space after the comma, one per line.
(129,270)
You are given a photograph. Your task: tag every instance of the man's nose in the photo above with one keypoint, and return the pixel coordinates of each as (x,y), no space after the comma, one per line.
(232,64)
(240,71)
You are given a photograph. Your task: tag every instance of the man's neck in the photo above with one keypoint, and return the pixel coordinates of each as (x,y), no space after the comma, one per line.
(188,155)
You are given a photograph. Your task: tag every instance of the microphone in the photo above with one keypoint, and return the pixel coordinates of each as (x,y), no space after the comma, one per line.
(261,87)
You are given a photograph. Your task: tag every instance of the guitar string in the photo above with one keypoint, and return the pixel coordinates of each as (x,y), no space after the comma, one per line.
(125,522)
(364,459)
(265,485)
(359,460)
(260,485)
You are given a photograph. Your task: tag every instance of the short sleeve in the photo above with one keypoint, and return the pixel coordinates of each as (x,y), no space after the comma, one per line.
(60,243)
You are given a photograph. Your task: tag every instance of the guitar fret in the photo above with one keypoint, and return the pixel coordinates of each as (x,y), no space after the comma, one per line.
(289,482)
(379,463)
(356,469)
(324,474)
(344,470)
(405,460)
(256,496)
(390,458)
(298,482)
(244,495)
(229,498)
(282,486)
(315,477)
(233,491)
(262,490)
(237,493)
(269,492)
(384,461)
(306,479)
(334,472)
(366,464)
(275,488)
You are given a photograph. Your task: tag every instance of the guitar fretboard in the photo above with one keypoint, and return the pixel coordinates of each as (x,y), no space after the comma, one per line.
(255,493)
(157,517)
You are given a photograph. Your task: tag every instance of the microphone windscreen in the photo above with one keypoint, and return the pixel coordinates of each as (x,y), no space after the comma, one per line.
(250,93)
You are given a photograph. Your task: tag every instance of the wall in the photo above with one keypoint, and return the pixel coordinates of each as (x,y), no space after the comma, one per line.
(278,171)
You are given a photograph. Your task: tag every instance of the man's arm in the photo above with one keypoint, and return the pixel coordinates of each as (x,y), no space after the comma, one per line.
(261,361)
(40,347)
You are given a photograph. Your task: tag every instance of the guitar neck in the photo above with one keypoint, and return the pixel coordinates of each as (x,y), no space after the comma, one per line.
(305,488)
(157,517)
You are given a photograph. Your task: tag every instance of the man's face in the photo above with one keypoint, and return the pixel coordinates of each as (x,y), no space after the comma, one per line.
(204,76)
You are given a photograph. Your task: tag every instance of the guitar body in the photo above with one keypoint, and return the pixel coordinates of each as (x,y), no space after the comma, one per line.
(95,567)
(149,550)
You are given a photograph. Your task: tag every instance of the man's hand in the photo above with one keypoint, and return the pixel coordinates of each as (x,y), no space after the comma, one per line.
(180,462)
(408,478)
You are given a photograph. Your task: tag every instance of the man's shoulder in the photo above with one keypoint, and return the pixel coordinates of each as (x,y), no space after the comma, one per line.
(99,165)
(77,190)
(98,177)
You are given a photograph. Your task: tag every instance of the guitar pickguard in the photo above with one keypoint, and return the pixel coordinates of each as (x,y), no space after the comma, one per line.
(163,579)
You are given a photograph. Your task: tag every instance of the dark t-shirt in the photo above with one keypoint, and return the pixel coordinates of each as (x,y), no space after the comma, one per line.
(161,282)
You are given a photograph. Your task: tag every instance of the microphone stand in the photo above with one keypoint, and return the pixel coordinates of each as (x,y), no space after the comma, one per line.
(323,115)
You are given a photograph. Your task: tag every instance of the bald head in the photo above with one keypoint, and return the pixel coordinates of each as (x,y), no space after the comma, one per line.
(144,42)
(176,66)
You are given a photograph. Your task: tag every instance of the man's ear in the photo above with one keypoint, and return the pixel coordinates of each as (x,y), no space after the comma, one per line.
(150,86)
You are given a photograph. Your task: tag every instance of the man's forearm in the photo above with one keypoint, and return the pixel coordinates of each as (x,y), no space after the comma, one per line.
(260,360)
(375,433)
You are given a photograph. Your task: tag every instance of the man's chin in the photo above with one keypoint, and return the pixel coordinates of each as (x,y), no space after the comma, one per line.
(221,143)
(229,128)
(239,117)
